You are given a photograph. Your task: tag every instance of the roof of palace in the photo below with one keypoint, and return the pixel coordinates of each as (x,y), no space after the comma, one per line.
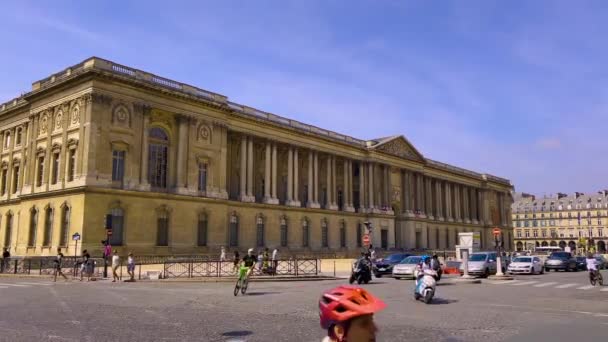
(396,145)
(528,203)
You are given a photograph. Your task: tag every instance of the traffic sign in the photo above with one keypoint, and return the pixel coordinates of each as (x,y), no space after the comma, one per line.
(76,237)
(496,231)
(366,239)
(108,232)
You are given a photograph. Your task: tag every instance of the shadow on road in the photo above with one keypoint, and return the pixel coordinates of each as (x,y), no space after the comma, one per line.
(260,293)
(445,284)
(237,333)
(442,301)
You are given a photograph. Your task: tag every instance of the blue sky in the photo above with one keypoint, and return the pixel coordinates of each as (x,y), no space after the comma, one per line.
(517,89)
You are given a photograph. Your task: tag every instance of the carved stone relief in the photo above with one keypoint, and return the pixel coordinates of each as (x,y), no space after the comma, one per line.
(58,120)
(204,133)
(162,117)
(121,116)
(43,124)
(75,117)
(399,148)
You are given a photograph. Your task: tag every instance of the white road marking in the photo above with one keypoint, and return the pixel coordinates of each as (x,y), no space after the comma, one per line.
(42,284)
(585,287)
(3,287)
(545,284)
(525,283)
(16,285)
(605,289)
(565,286)
(502,282)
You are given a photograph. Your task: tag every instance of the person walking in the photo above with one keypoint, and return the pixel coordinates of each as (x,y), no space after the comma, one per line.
(275,260)
(131,266)
(222,254)
(58,263)
(6,255)
(85,267)
(115,265)
(236,261)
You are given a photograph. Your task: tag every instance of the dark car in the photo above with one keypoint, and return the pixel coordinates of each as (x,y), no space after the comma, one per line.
(581,263)
(561,261)
(385,266)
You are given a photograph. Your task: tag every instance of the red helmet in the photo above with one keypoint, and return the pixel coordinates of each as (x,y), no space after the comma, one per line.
(346,302)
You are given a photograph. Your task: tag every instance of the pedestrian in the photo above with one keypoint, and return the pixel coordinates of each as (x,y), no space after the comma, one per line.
(222,254)
(85,267)
(372,253)
(275,260)
(260,257)
(236,261)
(266,256)
(5,256)
(115,265)
(131,266)
(58,263)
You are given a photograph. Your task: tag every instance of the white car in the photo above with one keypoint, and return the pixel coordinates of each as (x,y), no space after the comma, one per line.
(526,265)
(406,268)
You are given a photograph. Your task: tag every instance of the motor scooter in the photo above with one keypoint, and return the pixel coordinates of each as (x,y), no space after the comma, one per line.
(361,272)
(425,285)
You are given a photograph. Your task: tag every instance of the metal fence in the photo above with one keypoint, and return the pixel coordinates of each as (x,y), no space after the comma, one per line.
(216,268)
(47,266)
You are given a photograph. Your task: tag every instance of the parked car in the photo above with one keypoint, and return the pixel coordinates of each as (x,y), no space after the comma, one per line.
(526,265)
(581,263)
(561,261)
(602,263)
(384,266)
(405,268)
(482,264)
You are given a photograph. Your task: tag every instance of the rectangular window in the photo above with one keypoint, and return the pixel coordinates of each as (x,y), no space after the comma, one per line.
(40,173)
(202,231)
(65,226)
(55,168)
(118,166)
(284,235)
(15,179)
(527,233)
(3,185)
(342,236)
(116,239)
(8,230)
(234,232)
(71,164)
(48,228)
(519,233)
(260,235)
(305,235)
(162,224)
(600,232)
(202,177)
(31,241)
(359,235)
(324,237)
(535,233)
(384,238)
(544,233)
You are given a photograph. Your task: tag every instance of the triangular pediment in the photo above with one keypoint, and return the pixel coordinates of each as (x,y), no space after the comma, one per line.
(398,146)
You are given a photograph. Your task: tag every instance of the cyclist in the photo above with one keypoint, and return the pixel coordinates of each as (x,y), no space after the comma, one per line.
(592,265)
(249,260)
(346,312)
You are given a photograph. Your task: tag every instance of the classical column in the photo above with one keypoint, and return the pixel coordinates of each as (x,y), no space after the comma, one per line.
(289,176)
(273,194)
(250,169)
(182,146)
(296,178)
(474,201)
(457,200)
(428,198)
(243,181)
(310,180)
(144,181)
(448,202)
(370,180)
(420,194)
(316,203)
(333,205)
(362,187)
(466,205)
(349,206)
(439,200)
(267,172)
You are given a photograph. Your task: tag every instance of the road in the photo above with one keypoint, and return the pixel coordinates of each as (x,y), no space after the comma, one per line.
(555,306)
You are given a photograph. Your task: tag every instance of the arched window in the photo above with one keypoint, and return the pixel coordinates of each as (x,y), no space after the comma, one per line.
(48,227)
(31,240)
(157,157)
(324,234)
(162,227)
(305,233)
(65,225)
(343,234)
(259,230)
(202,229)
(283,232)
(118,219)
(233,237)
(8,230)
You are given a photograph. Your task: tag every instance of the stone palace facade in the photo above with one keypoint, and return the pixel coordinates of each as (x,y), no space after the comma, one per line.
(184,171)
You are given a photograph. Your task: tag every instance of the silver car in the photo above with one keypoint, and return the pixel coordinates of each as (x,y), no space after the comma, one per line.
(482,264)
(406,268)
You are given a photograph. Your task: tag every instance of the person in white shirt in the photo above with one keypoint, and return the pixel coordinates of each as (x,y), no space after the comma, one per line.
(131,266)
(275,260)
(115,265)
(592,266)
(222,254)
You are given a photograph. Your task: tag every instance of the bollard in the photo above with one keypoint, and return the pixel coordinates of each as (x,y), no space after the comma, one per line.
(499,265)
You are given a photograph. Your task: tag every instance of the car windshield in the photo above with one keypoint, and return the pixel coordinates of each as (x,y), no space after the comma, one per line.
(580,258)
(478,257)
(559,255)
(522,259)
(395,257)
(411,260)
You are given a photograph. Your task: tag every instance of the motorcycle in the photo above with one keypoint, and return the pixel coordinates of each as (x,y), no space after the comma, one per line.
(362,272)
(425,286)
(596,276)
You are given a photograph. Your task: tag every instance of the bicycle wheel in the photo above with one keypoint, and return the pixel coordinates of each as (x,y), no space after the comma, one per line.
(600,279)
(244,285)
(237,287)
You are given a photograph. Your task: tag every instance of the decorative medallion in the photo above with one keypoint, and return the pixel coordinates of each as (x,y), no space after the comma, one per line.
(75,115)
(44,122)
(204,133)
(58,119)
(121,116)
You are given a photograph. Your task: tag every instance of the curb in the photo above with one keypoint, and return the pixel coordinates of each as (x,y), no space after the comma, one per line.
(232,280)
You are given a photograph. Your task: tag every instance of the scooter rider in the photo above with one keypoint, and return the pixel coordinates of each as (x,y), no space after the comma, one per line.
(425,264)
(591,265)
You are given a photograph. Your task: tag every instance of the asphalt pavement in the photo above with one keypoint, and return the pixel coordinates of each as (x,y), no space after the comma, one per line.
(555,307)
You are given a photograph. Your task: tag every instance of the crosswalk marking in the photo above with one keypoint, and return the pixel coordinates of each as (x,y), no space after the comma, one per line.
(3,287)
(17,285)
(41,284)
(585,287)
(605,289)
(565,286)
(502,282)
(526,283)
(545,284)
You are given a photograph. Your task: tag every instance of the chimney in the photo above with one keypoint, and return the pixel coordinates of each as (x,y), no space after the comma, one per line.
(579,194)
(561,195)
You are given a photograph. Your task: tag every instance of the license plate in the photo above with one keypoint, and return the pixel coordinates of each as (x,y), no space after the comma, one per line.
(382,269)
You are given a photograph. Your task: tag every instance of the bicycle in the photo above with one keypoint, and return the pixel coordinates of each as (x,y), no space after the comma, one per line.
(596,276)
(242,281)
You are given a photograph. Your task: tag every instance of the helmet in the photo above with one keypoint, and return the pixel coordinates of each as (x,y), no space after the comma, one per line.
(250,251)
(343,303)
